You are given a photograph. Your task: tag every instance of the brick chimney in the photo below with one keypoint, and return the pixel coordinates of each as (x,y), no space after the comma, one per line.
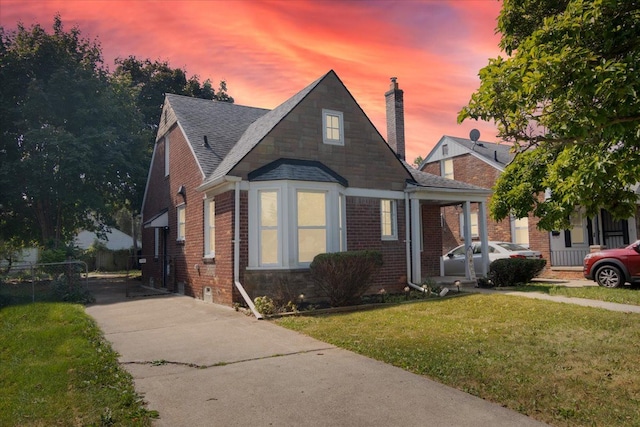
(395,118)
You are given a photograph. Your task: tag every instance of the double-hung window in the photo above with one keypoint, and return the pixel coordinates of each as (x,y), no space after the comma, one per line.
(521,231)
(268,233)
(388,219)
(474,225)
(312,224)
(209,228)
(181,213)
(447,168)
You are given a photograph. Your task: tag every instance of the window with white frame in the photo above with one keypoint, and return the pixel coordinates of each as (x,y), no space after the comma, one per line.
(474,225)
(166,155)
(209,228)
(447,168)
(521,231)
(388,219)
(181,214)
(268,228)
(312,225)
(333,127)
(292,222)
(577,228)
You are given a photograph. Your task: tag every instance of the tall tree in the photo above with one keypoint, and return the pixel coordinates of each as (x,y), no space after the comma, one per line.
(567,97)
(69,135)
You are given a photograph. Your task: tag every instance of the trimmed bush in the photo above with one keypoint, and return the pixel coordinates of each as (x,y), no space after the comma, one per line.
(515,271)
(343,277)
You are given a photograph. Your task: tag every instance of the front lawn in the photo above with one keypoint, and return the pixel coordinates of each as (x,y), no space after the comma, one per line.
(624,295)
(56,369)
(561,364)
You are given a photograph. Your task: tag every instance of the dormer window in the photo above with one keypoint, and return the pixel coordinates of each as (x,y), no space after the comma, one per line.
(333,127)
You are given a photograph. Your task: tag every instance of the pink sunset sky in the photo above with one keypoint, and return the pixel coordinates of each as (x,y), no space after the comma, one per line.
(269,50)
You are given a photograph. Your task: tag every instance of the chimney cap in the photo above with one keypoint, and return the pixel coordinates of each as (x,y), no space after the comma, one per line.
(394,83)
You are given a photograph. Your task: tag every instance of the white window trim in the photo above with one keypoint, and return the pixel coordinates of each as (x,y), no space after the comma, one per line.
(209,223)
(340,140)
(166,155)
(514,230)
(443,168)
(287,215)
(394,220)
(179,208)
(472,215)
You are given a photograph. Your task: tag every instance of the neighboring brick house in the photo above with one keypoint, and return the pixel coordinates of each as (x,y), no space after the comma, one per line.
(242,198)
(481,163)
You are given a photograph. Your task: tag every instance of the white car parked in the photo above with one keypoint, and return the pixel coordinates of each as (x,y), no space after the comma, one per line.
(454,260)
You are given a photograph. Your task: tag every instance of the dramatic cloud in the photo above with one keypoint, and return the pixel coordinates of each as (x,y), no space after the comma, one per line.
(268,50)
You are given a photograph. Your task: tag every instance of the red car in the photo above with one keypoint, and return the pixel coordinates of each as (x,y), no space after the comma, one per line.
(612,268)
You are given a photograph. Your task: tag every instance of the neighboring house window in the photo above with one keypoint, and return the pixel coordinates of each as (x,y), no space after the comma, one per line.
(166,155)
(268,228)
(181,213)
(520,231)
(388,219)
(292,222)
(156,243)
(474,225)
(312,225)
(333,125)
(577,228)
(210,228)
(447,168)
(445,149)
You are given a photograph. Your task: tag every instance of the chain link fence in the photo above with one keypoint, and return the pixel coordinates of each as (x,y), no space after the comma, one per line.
(56,281)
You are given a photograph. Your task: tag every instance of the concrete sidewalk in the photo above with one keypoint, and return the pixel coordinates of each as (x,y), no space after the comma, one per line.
(626,308)
(202,364)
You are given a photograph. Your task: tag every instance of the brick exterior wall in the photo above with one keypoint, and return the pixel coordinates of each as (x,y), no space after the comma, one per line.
(364,232)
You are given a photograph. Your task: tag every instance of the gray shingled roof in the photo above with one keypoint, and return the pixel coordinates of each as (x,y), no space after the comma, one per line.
(297,170)
(424,179)
(223,123)
(500,153)
(258,130)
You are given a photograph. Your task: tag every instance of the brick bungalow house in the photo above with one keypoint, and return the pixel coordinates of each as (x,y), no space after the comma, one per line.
(480,163)
(240,199)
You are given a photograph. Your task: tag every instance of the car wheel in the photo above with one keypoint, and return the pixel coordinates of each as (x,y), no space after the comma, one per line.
(609,276)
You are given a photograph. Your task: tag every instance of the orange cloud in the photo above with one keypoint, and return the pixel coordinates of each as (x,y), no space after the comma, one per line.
(268,50)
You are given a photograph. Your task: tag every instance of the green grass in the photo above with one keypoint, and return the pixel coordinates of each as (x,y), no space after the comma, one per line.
(564,365)
(624,295)
(56,369)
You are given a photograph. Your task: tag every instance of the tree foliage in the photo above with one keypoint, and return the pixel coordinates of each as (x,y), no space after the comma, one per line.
(150,80)
(566,97)
(76,140)
(70,135)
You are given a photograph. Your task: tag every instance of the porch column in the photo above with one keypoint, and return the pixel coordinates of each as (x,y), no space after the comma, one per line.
(482,230)
(467,231)
(416,218)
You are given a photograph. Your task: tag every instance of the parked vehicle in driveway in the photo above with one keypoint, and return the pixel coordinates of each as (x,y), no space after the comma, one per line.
(612,268)
(454,260)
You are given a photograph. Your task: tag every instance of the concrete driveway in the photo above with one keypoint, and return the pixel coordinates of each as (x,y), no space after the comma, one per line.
(202,364)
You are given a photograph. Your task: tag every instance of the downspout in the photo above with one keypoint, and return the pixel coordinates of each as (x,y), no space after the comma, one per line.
(236,255)
(407,240)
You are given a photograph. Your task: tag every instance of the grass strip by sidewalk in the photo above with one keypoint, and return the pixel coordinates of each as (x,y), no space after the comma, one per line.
(623,295)
(561,364)
(57,369)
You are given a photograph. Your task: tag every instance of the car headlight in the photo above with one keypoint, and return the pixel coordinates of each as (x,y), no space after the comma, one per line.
(588,256)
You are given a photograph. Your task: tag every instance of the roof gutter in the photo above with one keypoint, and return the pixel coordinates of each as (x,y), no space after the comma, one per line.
(208,185)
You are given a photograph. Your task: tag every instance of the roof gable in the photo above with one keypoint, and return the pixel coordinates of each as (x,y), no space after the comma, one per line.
(496,155)
(222,124)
